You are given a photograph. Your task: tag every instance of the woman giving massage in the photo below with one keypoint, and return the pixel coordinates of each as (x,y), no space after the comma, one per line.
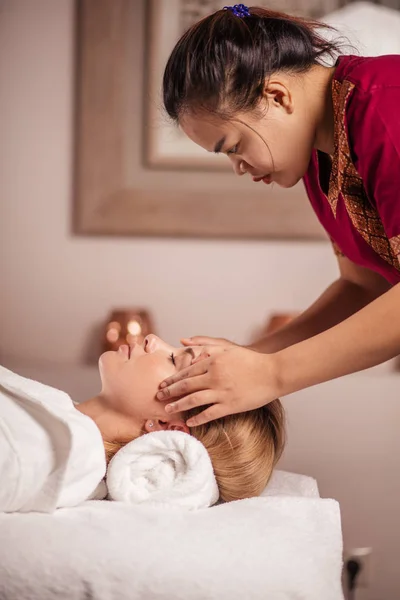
(54,453)
(272,92)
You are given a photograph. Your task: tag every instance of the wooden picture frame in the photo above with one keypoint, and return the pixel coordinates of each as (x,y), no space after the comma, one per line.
(165,144)
(115,193)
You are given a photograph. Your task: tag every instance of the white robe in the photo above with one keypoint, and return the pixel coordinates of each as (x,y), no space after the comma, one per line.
(51,455)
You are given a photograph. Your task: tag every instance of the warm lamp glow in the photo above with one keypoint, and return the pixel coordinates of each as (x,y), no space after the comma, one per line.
(112,335)
(134,328)
(126,326)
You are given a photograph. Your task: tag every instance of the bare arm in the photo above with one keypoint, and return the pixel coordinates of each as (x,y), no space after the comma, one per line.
(367,338)
(353,326)
(355,288)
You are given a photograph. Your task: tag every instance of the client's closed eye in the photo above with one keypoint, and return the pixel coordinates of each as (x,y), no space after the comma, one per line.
(172,357)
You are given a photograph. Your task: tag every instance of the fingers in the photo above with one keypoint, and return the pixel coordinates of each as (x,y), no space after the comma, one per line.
(193,370)
(183,387)
(190,401)
(202,356)
(210,414)
(207,352)
(201,340)
(203,398)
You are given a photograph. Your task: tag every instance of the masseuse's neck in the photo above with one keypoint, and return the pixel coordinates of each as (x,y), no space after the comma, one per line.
(319,91)
(113,425)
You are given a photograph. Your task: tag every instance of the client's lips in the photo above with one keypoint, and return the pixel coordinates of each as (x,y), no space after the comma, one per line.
(125,349)
(131,348)
(266,179)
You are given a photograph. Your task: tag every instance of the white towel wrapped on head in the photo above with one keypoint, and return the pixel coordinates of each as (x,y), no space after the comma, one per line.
(164,467)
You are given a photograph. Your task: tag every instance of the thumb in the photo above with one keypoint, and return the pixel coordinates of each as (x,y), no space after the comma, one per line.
(202,356)
(209,351)
(201,340)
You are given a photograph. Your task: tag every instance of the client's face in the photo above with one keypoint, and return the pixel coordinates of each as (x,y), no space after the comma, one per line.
(131,377)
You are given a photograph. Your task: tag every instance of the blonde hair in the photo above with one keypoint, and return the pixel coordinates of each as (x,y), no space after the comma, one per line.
(244,448)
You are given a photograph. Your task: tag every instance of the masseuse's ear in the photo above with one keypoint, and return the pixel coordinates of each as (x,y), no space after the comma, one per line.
(158,425)
(279,94)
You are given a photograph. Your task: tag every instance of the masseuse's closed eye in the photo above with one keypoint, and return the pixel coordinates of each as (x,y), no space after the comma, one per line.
(233,150)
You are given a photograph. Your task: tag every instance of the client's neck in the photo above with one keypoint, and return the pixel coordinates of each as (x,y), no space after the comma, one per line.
(113,425)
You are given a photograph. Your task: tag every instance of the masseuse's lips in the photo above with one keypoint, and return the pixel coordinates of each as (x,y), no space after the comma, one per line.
(265,178)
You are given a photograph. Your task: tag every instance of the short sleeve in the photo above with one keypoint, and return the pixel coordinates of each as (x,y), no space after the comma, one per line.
(374,135)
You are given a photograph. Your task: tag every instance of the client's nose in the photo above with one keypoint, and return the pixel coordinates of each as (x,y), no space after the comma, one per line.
(153,342)
(149,342)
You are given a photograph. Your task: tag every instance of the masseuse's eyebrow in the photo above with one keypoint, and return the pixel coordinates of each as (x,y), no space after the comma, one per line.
(219,145)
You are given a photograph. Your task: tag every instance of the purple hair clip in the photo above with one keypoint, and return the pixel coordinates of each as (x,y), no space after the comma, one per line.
(239,10)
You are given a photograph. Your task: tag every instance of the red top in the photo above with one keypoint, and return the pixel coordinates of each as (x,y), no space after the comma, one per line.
(355,193)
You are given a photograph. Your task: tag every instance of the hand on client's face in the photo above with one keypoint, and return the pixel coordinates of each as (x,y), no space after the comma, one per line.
(204,340)
(131,377)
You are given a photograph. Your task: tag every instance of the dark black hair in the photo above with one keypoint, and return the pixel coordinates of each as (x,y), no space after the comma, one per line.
(222,62)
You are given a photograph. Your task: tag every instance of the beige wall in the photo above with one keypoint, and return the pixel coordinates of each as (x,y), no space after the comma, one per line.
(55,287)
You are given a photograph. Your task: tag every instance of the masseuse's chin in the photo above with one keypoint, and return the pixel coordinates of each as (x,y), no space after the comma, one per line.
(288,182)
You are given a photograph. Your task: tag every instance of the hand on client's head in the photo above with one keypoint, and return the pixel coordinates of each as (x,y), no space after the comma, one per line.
(131,377)
(243,447)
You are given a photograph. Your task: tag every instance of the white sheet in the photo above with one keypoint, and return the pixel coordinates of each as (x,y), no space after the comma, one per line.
(278,547)
(283,483)
(51,455)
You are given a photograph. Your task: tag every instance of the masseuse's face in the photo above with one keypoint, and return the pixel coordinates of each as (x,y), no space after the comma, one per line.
(131,378)
(271,144)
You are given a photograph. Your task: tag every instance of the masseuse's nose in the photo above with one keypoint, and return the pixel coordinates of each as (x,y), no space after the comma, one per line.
(240,167)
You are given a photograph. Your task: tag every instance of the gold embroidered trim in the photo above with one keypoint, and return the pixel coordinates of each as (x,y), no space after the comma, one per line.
(336,248)
(395,245)
(345,179)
